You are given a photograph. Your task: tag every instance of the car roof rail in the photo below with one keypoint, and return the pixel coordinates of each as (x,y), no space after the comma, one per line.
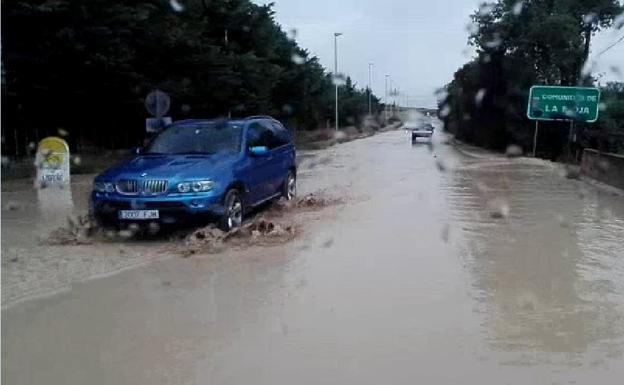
(260,117)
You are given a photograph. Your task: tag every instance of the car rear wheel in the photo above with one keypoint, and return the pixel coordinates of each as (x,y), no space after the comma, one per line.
(289,190)
(233,211)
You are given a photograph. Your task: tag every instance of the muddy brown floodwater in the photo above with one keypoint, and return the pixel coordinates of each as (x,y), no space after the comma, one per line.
(442,267)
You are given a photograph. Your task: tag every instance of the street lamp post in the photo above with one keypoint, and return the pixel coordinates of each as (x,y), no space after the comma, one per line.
(336,34)
(370,91)
(386,99)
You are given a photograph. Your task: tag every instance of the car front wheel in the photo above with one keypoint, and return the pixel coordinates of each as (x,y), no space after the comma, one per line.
(289,190)
(233,211)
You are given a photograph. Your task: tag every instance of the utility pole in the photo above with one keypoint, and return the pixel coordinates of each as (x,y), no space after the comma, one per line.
(386,99)
(370,91)
(336,34)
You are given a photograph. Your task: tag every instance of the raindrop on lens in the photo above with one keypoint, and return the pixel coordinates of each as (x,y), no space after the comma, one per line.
(479,97)
(517,8)
(297,59)
(339,79)
(287,109)
(176,5)
(590,18)
(618,22)
(485,9)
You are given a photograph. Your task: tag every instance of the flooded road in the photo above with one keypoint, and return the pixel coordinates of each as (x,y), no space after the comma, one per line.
(442,267)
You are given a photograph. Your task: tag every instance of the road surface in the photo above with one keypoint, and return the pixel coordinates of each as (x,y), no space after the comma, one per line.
(442,267)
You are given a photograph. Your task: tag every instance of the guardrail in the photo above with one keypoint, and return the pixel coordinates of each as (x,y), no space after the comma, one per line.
(604,167)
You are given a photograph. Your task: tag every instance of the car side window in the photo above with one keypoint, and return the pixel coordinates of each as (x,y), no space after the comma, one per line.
(259,134)
(281,134)
(254,131)
(269,135)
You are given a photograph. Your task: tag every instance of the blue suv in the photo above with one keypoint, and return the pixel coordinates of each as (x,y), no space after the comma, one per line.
(218,168)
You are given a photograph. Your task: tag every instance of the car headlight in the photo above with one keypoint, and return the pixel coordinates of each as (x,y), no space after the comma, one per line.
(103,187)
(195,186)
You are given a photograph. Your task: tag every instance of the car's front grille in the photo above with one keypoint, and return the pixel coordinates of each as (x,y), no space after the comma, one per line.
(135,187)
(154,186)
(128,187)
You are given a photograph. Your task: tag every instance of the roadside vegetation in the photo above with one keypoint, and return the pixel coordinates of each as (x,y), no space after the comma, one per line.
(86,68)
(525,43)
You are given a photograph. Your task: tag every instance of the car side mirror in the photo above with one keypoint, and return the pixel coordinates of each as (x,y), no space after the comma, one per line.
(258,150)
(136,150)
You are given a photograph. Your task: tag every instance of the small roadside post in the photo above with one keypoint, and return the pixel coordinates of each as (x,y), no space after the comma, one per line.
(553,103)
(52,162)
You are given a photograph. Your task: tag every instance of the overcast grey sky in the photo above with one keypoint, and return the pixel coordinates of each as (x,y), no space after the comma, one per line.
(419,43)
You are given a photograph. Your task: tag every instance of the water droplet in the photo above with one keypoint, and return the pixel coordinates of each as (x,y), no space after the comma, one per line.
(603,165)
(602,106)
(588,67)
(339,79)
(441,94)
(77,160)
(339,134)
(486,58)
(472,28)
(495,42)
(185,108)
(479,97)
(517,7)
(12,206)
(292,33)
(590,18)
(446,229)
(32,145)
(287,109)
(153,228)
(618,22)
(513,150)
(485,9)
(498,208)
(446,110)
(297,59)
(62,132)
(176,5)
(616,71)
(5,160)
(440,165)
(328,243)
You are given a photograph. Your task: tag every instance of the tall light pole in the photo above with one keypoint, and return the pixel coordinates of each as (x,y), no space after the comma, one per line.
(336,34)
(370,91)
(386,99)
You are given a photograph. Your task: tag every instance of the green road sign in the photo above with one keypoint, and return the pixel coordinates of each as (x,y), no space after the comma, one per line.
(563,103)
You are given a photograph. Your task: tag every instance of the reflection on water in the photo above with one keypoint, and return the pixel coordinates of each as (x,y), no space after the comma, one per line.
(548,277)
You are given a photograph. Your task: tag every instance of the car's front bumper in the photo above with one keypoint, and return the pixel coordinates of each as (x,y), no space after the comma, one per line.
(172,209)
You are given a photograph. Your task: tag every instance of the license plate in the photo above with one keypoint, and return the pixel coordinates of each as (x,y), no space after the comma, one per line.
(138,214)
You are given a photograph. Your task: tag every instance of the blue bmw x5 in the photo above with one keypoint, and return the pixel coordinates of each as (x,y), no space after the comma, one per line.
(193,168)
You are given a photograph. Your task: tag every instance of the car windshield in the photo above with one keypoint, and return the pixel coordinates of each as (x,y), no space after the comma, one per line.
(197,138)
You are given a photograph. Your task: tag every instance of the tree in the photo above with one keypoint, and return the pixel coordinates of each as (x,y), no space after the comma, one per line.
(520,44)
(89,64)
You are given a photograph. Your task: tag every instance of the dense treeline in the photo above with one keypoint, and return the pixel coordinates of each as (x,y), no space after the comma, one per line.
(525,43)
(85,66)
